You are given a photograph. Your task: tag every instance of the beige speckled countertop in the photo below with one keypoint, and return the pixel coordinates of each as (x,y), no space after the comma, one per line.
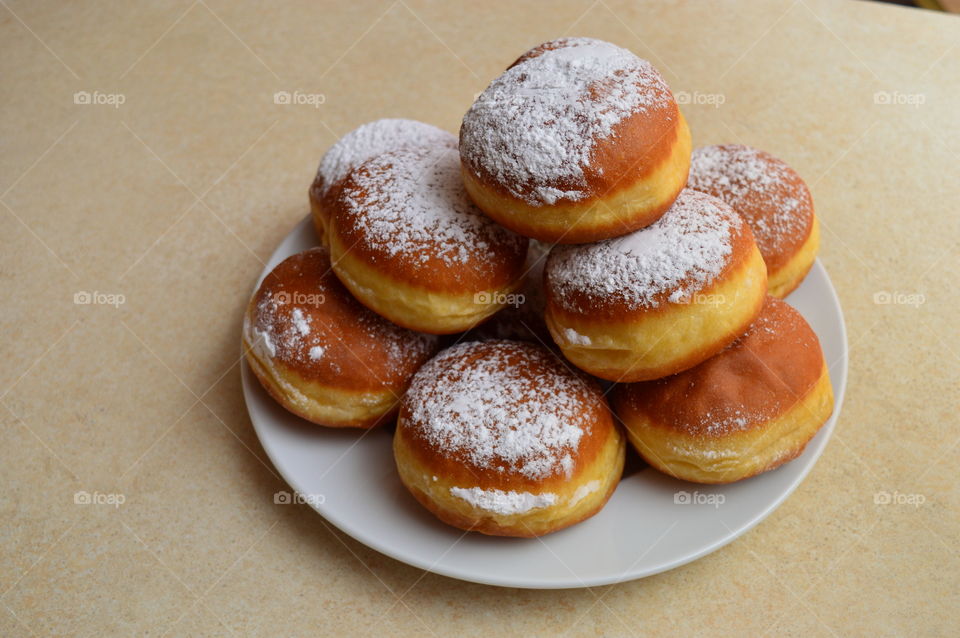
(167,191)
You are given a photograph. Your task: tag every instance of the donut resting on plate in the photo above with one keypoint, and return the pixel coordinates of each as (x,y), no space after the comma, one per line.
(501,437)
(321,354)
(750,409)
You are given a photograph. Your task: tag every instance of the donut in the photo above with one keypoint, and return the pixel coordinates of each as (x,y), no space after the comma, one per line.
(750,409)
(407,242)
(359,145)
(320,353)
(579,140)
(659,300)
(501,437)
(773,199)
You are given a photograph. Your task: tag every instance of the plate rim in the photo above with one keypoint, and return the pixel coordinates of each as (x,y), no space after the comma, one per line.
(249,383)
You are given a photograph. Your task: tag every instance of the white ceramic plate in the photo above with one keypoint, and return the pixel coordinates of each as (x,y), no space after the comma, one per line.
(350,479)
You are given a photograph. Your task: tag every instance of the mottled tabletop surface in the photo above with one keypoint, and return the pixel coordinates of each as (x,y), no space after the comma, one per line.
(154,156)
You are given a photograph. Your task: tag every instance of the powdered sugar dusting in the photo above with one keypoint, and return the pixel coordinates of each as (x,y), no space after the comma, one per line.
(731,419)
(677,256)
(502,405)
(765,190)
(371,140)
(260,340)
(412,202)
(283,334)
(300,322)
(502,502)
(534,128)
(575,338)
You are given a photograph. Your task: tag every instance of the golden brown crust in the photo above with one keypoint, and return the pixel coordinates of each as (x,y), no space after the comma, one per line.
(659,344)
(661,300)
(320,404)
(791,274)
(746,410)
(308,337)
(769,368)
(631,202)
(491,527)
(737,455)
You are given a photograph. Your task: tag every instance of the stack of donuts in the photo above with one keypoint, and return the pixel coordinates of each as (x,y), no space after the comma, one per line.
(567,277)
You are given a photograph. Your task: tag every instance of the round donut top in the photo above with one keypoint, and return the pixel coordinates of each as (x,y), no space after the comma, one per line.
(770,195)
(757,378)
(669,261)
(303,317)
(534,130)
(505,409)
(408,212)
(370,140)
